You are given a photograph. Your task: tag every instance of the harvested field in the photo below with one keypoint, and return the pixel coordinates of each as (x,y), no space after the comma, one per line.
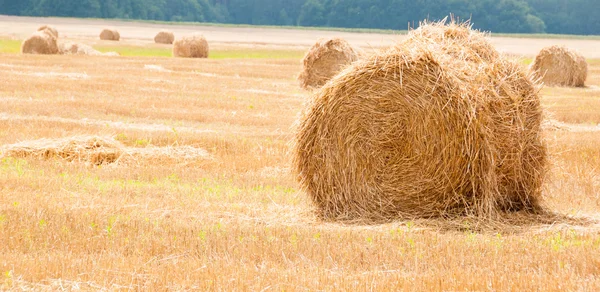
(203,196)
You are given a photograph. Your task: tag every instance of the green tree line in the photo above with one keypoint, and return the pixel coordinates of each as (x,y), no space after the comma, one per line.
(513,16)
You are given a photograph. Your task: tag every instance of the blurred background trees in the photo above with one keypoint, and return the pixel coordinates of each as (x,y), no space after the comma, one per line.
(511,16)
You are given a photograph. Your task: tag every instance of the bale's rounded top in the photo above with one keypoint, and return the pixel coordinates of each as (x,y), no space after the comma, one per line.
(324,60)
(455,39)
(49,29)
(560,66)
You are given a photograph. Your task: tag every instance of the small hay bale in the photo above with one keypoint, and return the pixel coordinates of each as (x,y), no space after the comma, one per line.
(560,66)
(193,46)
(164,37)
(433,127)
(49,29)
(110,35)
(324,60)
(70,48)
(90,149)
(40,42)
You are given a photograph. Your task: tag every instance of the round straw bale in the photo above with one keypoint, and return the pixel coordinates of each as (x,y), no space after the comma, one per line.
(432,127)
(561,66)
(110,35)
(324,60)
(164,37)
(49,29)
(40,42)
(193,46)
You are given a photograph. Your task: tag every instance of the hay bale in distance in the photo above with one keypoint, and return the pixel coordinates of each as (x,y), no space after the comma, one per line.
(70,48)
(164,37)
(40,42)
(560,66)
(433,127)
(324,60)
(90,149)
(49,29)
(110,35)
(193,46)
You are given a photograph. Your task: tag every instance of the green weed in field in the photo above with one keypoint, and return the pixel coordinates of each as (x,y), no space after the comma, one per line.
(10,46)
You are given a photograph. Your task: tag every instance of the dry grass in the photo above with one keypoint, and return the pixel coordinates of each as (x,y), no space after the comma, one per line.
(99,151)
(234,219)
(71,48)
(94,150)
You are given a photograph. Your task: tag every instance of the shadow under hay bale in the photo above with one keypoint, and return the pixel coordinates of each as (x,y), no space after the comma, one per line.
(41,42)
(49,29)
(560,66)
(511,223)
(324,60)
(440,125)
(110,35)
(164,37)
(193,46)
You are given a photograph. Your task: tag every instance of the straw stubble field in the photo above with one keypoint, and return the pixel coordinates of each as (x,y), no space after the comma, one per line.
(234,218)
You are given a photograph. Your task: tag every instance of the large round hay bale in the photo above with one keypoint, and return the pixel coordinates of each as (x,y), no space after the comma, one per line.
(40,42)
(324,60)
(193,46)
(164,37)
(432,127)
(110,35)
(561,66)
(49,29)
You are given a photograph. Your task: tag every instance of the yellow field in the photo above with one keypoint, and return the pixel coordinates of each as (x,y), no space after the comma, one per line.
(235,219)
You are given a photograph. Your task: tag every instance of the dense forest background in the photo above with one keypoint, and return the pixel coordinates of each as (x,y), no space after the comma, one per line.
(514,16)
